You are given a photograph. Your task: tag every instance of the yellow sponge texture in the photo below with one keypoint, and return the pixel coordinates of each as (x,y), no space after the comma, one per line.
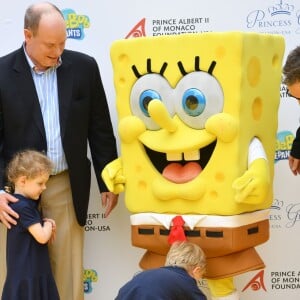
(189,107)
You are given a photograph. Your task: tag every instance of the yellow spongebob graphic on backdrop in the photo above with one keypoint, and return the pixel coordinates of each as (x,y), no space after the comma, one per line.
(197,125)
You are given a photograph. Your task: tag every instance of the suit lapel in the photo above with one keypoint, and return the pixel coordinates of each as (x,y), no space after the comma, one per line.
(64,92)
(29,94)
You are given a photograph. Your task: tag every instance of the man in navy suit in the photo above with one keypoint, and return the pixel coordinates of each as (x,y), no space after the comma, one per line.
(52,100)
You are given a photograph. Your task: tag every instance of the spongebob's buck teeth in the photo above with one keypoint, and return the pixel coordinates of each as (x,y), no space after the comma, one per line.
(191,155)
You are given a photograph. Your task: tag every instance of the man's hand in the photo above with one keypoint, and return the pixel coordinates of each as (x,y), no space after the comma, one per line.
(294,164)
(7,215)
(109,200)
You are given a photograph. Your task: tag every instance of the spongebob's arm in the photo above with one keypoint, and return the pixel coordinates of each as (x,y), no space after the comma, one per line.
(113,176)
(252,187)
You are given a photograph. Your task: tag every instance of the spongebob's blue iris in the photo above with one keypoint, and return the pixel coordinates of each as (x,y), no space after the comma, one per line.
(145,97)
(193,102)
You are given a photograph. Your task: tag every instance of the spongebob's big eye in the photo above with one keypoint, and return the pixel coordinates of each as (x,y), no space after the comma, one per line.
(193,102)
(146,88)
(145,98)
(198,96)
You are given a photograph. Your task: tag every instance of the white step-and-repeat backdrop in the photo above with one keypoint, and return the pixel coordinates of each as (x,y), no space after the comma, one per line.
(93,25)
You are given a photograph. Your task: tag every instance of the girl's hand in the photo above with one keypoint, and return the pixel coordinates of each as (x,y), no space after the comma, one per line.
(53,235)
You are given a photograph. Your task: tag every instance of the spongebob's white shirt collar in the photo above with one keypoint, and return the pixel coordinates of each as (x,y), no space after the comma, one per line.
(200,220)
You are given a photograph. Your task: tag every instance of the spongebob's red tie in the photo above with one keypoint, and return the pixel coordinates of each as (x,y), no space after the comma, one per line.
(177,232)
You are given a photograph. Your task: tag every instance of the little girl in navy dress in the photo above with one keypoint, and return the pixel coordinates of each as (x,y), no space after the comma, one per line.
(29,275)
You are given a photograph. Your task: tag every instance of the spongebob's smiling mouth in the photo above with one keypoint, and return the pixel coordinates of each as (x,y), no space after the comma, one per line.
(181,167)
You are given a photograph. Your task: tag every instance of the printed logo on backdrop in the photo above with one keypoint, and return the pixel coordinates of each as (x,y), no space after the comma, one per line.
(285,280)
(283,145)
(89,277)
(169,26)
(93,223)
(76,24)
(285,138)
(256,283)
(278,17)
(284,216)
(138,30)
(275,216)
(293,214)
(279,280)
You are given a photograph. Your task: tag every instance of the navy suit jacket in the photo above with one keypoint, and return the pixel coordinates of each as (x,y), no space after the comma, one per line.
(84,119)
(165,283)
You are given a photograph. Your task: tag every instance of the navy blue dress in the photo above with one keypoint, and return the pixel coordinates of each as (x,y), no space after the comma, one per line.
(165,283)
(29,275)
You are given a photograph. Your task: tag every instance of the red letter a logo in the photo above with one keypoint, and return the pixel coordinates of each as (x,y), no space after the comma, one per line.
(257,282)
(138,30)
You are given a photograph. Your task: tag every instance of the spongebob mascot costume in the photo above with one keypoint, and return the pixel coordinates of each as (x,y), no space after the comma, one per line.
(197,125)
